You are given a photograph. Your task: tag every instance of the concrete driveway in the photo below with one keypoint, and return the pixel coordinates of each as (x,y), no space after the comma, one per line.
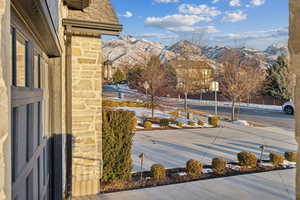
(173,148)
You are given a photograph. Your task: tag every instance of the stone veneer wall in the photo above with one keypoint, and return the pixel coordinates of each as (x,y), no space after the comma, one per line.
(294,50)
(5,102)
(86,115)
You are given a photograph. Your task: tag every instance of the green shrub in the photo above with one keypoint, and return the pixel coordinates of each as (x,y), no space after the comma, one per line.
(158,172)
(247,159)
(214,121)
(201,123)
(117,135)
(110,103)
(191,123)
(180,124)
(290,156)
(118,76)
(218,164)
(193,167)
(164,122)
(147,125)
(276,158)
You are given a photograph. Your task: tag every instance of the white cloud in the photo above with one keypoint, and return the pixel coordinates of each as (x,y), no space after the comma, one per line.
(234,3)
(215,1)
(180,23)
(203,10)
(127,14)
(166,1)
(174,20)
(156,35)
(254,35)
(257,2)
(235,16)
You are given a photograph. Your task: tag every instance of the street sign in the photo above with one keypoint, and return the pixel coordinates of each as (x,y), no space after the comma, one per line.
(214,86)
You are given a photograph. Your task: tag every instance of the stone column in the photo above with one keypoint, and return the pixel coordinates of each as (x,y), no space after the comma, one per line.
(5,104)
(294,50)
(86,115)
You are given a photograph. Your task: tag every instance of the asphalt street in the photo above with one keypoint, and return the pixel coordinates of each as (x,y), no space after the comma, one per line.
(264,116)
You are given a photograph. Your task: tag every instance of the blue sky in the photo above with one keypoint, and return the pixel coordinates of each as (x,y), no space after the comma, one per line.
(251,23)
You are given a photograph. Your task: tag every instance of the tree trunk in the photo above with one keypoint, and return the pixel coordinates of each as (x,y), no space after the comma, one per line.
(233,110)
(185,102)
(152,106)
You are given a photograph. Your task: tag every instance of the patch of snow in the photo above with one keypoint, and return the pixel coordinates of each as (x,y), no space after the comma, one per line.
(241,123)
(181,173)
(234,167)
(156,126)
(207,171)
(288,164)
(174,126)
(266,164)
(145,112)
(139,127)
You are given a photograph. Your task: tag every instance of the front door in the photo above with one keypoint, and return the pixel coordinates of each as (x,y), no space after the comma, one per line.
(30,145)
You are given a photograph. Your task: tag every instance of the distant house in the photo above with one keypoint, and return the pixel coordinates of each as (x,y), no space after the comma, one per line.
(50,97)
(201,72)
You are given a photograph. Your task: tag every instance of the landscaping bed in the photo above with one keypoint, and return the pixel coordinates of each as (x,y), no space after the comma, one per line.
(179,175)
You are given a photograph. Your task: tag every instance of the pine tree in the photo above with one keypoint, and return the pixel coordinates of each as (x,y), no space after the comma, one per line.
(118,76)
(279,80)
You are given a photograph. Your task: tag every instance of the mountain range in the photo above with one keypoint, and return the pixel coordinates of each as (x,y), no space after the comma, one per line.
(129,50)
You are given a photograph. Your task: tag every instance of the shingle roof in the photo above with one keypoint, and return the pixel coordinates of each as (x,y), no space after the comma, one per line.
(98,11)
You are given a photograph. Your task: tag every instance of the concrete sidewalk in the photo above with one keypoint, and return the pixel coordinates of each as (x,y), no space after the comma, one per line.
(276,185)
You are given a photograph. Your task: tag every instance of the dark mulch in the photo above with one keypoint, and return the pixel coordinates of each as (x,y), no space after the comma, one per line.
(173,178)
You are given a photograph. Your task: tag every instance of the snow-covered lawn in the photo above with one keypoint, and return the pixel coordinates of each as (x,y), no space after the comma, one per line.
(142,113)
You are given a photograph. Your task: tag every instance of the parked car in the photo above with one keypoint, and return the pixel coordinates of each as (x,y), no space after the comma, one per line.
(288,107)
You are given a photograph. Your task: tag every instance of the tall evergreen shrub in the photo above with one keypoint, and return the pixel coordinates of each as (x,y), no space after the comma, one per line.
(117,135)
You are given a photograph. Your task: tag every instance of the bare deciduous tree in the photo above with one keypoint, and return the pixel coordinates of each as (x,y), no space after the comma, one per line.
(239,82)
(155,75)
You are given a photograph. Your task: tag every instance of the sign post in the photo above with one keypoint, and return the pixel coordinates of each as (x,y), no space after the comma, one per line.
(215,88)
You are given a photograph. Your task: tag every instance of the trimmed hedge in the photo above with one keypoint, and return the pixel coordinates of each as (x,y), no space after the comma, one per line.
(201,123)
(164,122)
(290,156)
(117,135)
(218,164)
(193,167)
(276,158)
(247,159)
(158,172)
(180,124)
(191,123)
(111,103)
(147,125)
(214,121)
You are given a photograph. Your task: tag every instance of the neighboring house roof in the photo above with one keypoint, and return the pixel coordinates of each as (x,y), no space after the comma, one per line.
(97,11)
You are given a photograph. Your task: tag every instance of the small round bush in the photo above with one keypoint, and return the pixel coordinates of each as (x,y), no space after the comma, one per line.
(147,125)
(164,122)
(201,123)
(158,172)
(290,156)
(180,124)
(193,167)
(247,159)
(218,164)
(214,121)
(276,158)
(191,123)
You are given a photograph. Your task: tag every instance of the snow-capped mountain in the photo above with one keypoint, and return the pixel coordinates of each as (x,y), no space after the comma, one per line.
(130,51)
(277,50)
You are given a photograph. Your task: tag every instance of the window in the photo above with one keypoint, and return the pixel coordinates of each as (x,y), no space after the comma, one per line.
(19,59)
